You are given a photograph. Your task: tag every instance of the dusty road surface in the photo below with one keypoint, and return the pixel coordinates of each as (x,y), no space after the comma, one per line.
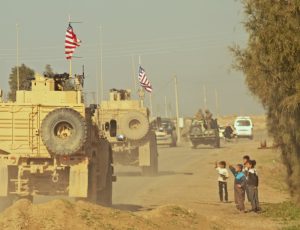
(183,196)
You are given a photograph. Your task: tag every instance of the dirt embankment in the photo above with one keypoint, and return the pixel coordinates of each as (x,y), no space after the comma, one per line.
(65,215)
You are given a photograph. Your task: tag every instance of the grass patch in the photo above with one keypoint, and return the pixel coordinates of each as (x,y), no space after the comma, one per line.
(285,211)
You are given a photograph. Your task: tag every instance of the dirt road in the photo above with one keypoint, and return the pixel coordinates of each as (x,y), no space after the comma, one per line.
(187,178)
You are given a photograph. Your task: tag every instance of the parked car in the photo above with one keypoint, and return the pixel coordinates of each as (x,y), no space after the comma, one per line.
(165,131)
(244,127)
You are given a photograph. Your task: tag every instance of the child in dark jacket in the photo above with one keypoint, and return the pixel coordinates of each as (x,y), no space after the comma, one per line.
(239,186)
(252,184)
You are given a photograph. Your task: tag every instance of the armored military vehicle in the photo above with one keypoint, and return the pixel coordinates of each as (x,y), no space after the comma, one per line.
(50,145)
(125,123)
(202,133)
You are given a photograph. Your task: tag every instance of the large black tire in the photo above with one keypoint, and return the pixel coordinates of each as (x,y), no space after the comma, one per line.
(64,131)
(134,125)
(152,170)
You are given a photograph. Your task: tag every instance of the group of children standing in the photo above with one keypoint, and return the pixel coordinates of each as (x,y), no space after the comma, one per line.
(245,183)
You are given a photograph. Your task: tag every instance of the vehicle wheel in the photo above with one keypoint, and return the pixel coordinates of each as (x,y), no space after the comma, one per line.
(63,131)
(134,125)
(152,170)
(251,137)
(217,143)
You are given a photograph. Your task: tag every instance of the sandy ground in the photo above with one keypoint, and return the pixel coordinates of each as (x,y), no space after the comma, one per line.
(183,196)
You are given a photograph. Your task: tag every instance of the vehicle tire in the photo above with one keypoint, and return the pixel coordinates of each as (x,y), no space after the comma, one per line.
(152,170)
(195,130)
(64,131)
(134,125)
(105,195)
(217,143)
(194,145)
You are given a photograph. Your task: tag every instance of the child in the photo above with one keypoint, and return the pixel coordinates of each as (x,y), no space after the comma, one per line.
(239,186)
(222,179)
(252,184)
(246,158)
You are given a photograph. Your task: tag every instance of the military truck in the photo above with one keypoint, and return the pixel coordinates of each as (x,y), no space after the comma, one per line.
(202,133)
(125,123)
(50,145)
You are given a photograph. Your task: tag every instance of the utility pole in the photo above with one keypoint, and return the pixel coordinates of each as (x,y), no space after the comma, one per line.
(217,103)
(133,74)
(204,97)
(166,107)
(101,67)
(150,105)
(18,71)
(177,109)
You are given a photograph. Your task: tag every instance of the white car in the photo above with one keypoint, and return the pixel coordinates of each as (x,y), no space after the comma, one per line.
(243,127)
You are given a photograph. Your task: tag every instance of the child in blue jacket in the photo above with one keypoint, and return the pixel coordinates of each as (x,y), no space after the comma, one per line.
(239,186)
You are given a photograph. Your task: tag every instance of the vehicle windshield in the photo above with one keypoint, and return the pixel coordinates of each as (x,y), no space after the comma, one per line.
(243,123)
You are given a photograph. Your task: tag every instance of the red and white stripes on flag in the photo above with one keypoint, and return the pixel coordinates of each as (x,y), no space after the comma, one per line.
(144,82)
(71,42)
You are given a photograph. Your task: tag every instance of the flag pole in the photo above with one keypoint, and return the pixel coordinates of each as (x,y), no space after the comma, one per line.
(141,91)
(70,60)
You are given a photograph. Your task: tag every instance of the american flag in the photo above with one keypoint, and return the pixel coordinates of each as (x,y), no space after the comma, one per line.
(144,82)
(71,42)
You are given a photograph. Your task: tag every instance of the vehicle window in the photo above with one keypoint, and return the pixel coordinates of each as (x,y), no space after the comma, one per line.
(113,128)
(243,123)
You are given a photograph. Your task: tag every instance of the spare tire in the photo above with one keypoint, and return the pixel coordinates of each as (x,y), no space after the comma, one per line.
(134,125)
(64,131)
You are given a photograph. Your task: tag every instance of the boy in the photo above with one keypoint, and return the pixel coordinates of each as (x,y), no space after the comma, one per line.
(252,184)
(246,158)
(239,186)
(222,179)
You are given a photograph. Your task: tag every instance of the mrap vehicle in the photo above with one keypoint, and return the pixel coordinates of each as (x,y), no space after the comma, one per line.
(125,123)
(50,145)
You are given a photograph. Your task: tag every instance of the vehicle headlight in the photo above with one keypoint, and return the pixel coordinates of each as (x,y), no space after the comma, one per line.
(121,137)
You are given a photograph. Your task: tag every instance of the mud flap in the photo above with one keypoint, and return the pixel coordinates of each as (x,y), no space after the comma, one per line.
(145,155)
(3,179)
(78,181)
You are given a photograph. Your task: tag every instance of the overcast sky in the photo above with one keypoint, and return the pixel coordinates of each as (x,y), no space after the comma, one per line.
(188,39)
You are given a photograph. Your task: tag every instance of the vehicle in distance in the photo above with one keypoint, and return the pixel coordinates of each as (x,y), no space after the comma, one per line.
(201,134)
(165,131)
(244,127)
(124,122)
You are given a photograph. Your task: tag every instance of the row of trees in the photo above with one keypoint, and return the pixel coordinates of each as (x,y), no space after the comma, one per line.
(271,64)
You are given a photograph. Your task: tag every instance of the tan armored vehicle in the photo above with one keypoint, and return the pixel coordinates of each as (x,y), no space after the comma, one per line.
(50,145)
(125,123)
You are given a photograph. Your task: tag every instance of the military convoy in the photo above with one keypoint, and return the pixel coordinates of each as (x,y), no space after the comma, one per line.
(125,124)
(50,144)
